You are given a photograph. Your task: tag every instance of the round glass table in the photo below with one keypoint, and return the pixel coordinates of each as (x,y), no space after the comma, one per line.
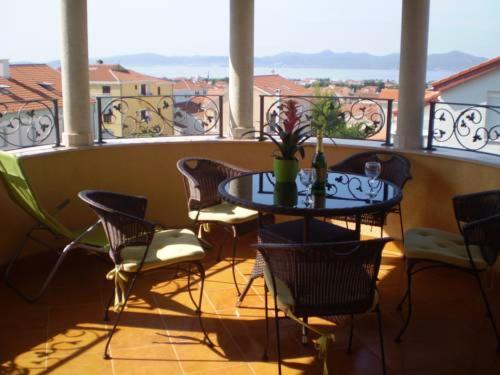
(346,195)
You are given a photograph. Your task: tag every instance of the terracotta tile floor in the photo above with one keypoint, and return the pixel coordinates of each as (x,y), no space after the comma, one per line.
(64,332)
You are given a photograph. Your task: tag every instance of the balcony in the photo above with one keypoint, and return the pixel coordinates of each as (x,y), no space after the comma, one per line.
(65,333)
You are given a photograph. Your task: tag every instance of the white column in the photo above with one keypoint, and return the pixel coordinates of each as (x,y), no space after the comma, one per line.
(75,73)
(241,66)
(412,73)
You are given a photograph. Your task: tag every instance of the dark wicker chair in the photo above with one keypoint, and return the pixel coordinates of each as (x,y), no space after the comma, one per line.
(474,250)
(395,169)
(323,279)
(136,247)
(205,206)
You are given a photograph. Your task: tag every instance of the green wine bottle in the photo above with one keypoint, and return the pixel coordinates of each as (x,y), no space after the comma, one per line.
(319,165)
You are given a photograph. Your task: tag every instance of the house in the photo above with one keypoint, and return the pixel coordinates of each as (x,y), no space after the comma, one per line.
(143,112)
(273,86)
(479,84)
(29,94)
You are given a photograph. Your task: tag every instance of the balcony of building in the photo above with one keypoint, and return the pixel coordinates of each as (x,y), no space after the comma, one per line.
(64,331)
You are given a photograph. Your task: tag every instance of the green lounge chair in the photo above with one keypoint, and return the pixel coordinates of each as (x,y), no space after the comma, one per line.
(18,187)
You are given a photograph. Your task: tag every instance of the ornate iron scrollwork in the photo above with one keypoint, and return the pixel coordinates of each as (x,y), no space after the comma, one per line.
(28,123)
(465,128)
(363,117)
(153,116)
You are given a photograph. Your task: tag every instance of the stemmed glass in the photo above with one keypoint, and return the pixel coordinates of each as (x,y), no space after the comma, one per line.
(307,178)
(372,171)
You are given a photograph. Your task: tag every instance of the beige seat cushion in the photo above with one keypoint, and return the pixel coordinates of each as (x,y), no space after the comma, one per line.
(284,295)
(440,246)
(224,212)
(168,247)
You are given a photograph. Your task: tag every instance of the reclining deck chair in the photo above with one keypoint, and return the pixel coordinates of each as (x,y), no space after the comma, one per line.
(22,195)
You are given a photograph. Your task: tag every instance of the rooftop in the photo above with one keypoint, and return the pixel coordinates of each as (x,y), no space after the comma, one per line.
(271,83)
(116,73)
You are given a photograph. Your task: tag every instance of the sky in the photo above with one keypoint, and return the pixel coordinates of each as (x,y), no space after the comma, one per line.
(201,27)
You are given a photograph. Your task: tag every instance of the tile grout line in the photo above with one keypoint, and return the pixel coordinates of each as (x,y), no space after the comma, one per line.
(228,331)
(168,335)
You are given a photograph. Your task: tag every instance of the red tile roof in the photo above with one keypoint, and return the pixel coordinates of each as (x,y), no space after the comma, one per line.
(117,73)
(187,84)
(394,95)
(31,82)
(467,74)
(273,82)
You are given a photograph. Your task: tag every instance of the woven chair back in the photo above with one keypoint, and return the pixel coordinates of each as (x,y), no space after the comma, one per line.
(122,217)
(202,178)
(395,167)
(327,278)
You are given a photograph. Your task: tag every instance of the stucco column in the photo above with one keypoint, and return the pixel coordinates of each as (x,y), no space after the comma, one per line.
(75,73)
(412,73)
(241,66)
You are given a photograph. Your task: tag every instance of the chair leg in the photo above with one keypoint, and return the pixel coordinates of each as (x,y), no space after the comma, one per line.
(120,311)
(201,272)
(488,309)
(278,345)
(266,346)
(381,336)
(106,311)
(401,223)
(233,263)
(304,332)
(351,330)
(47,281)
(406,296)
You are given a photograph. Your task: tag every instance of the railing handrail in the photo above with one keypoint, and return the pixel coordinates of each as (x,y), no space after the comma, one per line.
(387,112)
(325,97)
(466,104)
(156,96)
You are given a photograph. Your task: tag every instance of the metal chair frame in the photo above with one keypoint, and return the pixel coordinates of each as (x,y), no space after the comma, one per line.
(201,187)
(478,217)
(398,175)
(142,235)
(340,249)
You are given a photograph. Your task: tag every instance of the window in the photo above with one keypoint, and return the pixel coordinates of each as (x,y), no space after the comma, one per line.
(144,115)
(106,90)
(159,90)
(143,89)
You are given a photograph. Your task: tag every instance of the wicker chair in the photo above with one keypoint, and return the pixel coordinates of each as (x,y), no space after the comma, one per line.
(205,206)
(395,169)
(322,279)
(474,250)
(136,247)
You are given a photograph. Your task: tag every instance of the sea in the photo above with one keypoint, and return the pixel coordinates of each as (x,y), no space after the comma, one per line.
(215,71)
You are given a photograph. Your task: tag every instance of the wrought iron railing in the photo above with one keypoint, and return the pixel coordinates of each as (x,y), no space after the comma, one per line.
(471,127)
(362,118)
(159,116)
(28,123)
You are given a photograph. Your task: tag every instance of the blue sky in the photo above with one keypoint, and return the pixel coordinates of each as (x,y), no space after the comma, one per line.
(201,27)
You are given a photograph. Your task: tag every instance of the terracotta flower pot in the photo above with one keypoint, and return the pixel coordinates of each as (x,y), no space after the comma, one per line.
(285,170)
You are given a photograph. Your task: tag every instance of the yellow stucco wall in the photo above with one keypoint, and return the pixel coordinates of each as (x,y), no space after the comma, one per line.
(125,125)
(149,169)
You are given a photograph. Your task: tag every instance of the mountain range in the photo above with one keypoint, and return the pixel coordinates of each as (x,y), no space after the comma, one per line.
(452,61)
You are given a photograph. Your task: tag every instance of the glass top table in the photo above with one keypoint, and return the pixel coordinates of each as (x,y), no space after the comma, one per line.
(346,194)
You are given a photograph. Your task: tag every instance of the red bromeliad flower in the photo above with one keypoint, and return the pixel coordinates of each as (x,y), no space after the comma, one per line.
(292,116)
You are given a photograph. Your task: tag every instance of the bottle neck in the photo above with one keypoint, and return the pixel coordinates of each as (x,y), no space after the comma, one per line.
(319,144)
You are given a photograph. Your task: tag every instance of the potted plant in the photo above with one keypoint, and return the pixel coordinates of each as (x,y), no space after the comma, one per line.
(288,138)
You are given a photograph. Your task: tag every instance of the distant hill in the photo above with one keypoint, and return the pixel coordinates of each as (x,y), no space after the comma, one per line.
(453,61)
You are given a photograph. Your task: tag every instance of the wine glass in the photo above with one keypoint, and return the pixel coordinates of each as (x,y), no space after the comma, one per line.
(372,171)
(307,178)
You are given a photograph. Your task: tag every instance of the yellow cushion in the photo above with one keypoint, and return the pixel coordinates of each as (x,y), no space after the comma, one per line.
(168,247)
(224,212)
(437,245)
